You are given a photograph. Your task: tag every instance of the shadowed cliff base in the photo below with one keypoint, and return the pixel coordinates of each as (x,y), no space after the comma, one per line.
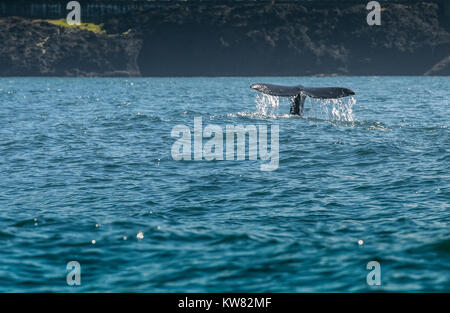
(235,39)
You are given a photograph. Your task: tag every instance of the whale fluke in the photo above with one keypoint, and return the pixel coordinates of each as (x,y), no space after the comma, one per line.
(277,90)
(300,92)
(313,92)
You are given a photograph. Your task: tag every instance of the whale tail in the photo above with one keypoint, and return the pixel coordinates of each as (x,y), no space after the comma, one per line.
(300,92)
(313,92)
(298,104)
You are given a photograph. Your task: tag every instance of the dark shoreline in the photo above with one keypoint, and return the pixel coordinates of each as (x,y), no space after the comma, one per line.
(241,40)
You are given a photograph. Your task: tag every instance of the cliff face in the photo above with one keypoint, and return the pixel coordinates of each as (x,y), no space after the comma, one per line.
(288,39)
(37,48)
(236,39)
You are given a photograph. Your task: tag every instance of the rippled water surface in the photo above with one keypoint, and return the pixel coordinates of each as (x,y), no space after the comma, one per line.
(87,175)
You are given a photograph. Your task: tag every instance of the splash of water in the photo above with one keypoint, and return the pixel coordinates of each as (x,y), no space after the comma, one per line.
(332,109)
(267,105)
(325,109)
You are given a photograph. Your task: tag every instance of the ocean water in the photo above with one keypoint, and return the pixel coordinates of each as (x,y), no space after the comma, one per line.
(87,175)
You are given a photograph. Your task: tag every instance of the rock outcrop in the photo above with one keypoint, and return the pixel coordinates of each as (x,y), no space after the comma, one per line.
(38,48)
(442,68)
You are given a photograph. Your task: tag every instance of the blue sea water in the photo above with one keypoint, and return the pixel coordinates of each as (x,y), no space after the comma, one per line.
(87,175)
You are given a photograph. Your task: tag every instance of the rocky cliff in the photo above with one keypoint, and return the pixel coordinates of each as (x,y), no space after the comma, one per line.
(235,39)
(38,48)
